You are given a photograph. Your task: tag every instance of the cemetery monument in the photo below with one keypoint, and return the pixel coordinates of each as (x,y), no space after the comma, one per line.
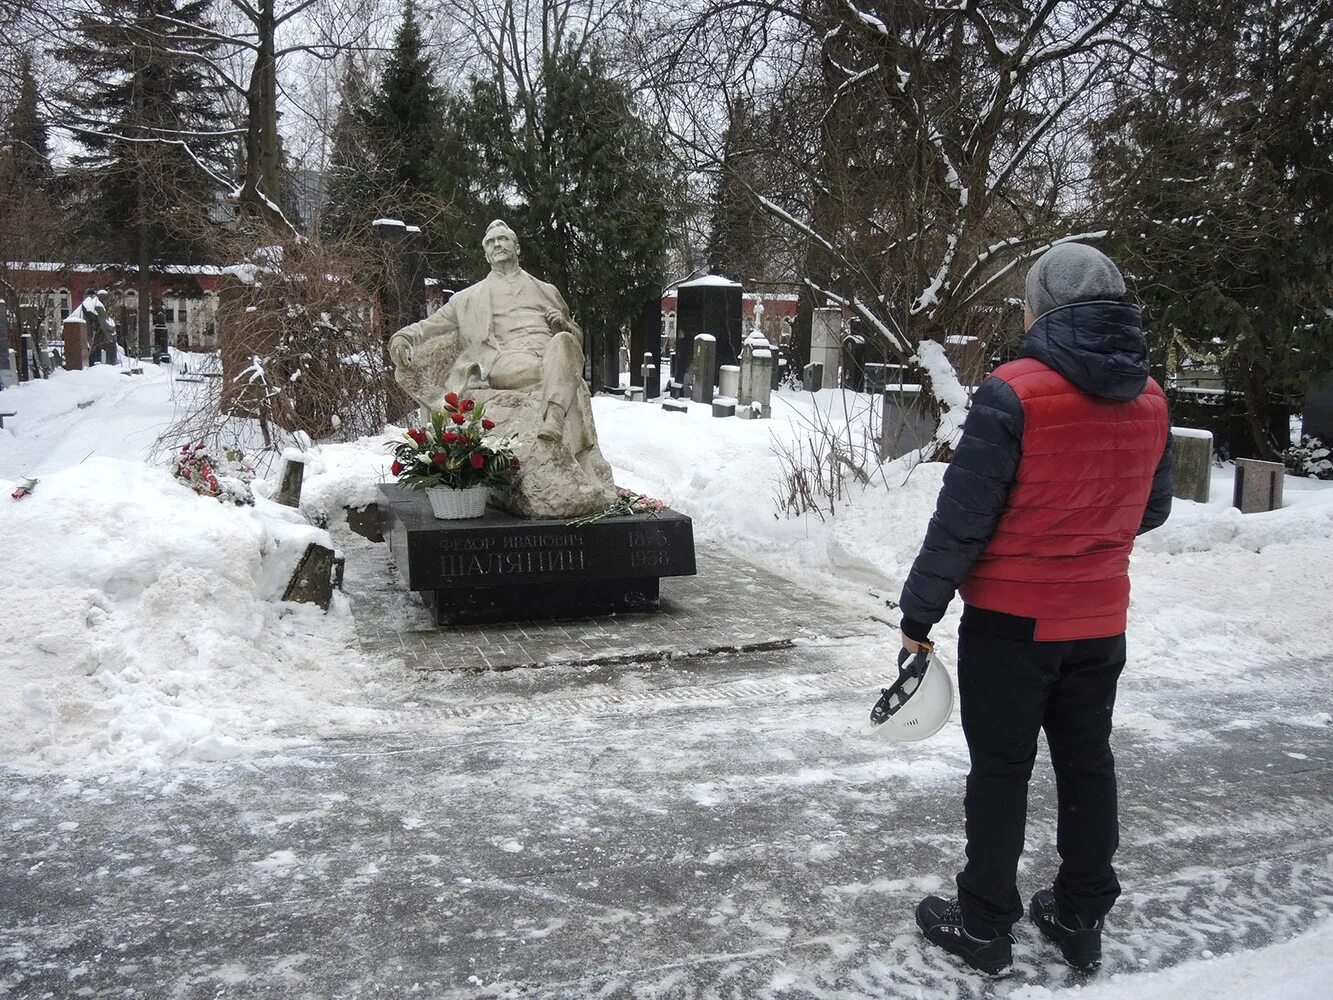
(561,547)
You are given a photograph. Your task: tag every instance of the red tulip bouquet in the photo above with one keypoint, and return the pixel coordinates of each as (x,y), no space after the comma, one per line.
(458,450)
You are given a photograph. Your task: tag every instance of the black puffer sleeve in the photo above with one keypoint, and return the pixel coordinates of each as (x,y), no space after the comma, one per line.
(1163,486)
(974,495)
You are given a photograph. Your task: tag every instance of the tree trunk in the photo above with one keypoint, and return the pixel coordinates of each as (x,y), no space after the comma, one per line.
(1256,414)
(261,189)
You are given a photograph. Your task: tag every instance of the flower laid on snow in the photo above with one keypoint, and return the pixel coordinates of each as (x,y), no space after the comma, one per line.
(226,479)
(25,488)
(465,455)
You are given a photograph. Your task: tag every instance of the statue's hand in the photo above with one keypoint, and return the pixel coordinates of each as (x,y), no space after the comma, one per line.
(400,351)
(555,319)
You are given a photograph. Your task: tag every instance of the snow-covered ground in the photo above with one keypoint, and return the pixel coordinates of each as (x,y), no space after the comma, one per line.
(141,631)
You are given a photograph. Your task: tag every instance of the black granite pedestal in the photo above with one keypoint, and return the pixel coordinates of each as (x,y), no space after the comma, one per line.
(501,568)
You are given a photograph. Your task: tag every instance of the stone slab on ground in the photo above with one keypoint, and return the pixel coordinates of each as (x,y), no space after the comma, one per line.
(732,841)
(729,605)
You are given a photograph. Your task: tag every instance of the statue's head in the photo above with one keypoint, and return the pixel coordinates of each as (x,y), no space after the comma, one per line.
(500,243)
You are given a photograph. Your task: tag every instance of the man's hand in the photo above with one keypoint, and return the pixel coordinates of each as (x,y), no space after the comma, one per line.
(912,646)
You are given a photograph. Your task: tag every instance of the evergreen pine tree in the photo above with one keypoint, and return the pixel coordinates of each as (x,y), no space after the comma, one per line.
(595,201)
(352,160)
(1219,181)
(403,122)
(27,138)
(147,113)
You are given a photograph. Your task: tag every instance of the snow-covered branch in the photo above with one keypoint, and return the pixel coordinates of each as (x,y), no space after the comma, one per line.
(1096,234)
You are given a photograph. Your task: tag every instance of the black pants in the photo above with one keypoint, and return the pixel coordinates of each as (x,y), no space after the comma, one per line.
(1009,688)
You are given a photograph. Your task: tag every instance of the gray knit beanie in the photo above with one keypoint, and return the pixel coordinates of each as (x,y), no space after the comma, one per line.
(1069,273)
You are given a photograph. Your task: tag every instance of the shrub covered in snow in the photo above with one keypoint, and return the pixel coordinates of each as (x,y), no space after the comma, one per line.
(1310,458)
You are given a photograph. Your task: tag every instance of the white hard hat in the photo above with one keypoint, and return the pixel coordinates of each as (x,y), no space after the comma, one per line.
(917,705)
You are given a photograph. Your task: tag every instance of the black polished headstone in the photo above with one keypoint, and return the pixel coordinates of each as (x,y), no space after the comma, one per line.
(708,305)
(645,345)
(853,362)
(505,568)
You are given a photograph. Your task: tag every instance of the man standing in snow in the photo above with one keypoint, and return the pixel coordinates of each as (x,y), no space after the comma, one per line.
(1063,460)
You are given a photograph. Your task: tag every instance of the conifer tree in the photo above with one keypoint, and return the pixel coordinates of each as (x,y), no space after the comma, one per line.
(403,121)
(148,117)
(595,201)
(1218,175)
(28,138)
(352,160)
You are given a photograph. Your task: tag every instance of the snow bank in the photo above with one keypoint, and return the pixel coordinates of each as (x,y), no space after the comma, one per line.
(1305,963)
(142,622)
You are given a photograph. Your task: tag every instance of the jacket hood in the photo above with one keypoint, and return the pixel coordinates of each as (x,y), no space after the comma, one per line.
(1099,346)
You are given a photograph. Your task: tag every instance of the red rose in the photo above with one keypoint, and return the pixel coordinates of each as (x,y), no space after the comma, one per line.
(514,463)
(459,418)
(478,460)
(417,435)
(488,424)
(396,468)
(439,458)
(451,399)
(466,405)
(449,437)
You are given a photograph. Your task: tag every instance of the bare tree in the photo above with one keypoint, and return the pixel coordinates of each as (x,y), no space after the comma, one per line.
(926,150)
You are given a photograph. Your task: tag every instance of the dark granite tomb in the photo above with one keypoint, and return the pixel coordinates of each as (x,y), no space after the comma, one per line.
(711,305)
(501,568)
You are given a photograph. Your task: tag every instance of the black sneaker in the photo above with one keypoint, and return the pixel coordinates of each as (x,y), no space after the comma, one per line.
(941,921)
(1080,944)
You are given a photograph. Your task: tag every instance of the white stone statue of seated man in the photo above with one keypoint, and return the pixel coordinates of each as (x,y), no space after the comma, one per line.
(509,341)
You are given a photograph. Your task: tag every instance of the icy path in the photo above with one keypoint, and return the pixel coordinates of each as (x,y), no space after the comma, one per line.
(744,847)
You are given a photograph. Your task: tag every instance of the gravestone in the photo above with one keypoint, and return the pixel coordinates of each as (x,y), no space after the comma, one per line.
(779,366)
(76,344)
(906,423)
(318,572)
(853,363)
(293,472)
(645,344)
(27,360)
(724,406)
(674,406)
(812,377)
(499,568)
(729,381)
(365,521)
(1258,487)
(876,377)
(712,305)
(756,371)
(826,343)
(652,384)
(1317,413)
(704,368)
(1192,463)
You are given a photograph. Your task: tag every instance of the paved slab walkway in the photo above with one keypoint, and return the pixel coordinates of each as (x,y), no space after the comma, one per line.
(700,828)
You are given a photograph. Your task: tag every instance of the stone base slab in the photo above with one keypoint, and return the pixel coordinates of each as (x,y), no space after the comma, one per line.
(504,568)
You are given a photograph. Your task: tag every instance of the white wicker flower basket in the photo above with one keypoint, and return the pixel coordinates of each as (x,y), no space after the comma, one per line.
(453,505)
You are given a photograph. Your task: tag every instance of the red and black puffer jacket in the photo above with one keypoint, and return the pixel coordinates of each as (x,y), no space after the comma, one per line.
(1064,458)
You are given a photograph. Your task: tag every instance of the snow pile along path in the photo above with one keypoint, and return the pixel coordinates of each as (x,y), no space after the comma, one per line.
(142,622)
